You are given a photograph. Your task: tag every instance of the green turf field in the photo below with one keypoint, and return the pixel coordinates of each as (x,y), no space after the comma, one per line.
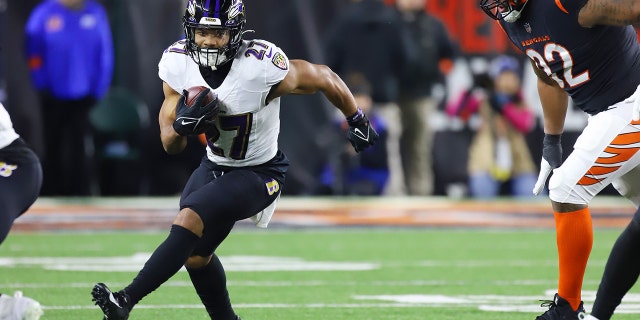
(403,274)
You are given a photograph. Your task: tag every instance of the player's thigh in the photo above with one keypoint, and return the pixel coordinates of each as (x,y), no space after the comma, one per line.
(605,151)
(236,195)
(20,180)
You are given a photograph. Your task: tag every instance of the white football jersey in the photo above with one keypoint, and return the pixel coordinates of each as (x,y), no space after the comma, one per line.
(7,134)
(248,127)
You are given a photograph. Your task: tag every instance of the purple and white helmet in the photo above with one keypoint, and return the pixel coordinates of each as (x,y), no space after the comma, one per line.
(214,14)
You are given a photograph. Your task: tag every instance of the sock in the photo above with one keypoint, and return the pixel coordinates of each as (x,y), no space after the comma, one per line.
(620,273)
(210,283)
(168,258)
(574,238)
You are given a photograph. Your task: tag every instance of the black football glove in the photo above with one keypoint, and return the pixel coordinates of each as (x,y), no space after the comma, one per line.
(551,159)
(361,134)
(195,119)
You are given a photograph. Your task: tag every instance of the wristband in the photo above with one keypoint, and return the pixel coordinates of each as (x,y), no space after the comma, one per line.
(356,117)
(552,138)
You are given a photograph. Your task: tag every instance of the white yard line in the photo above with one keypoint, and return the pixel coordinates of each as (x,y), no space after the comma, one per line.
(310,283)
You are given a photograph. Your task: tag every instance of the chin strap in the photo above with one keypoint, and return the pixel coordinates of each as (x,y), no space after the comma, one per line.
(514,15)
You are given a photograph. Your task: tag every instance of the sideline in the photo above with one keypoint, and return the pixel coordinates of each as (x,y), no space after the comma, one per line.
(156,213)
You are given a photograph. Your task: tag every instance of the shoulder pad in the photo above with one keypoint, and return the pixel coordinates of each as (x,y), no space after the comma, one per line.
(178,47)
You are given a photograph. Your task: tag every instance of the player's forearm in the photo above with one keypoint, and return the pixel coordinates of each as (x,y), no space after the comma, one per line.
(339,94)
(610,12)
(171,141)
(554,102)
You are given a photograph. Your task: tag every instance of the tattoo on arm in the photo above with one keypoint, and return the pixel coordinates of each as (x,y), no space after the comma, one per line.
(613,12)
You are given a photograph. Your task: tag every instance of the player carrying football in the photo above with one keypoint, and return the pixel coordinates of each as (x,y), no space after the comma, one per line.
(243,171)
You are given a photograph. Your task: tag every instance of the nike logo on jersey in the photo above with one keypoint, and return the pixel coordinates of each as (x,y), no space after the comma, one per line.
(361,135)
(184,123)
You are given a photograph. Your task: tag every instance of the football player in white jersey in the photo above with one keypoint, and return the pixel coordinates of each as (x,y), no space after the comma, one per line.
(243,171)
(20,183)
(20,175)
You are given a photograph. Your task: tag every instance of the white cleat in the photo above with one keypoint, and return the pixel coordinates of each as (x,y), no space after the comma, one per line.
(18,307)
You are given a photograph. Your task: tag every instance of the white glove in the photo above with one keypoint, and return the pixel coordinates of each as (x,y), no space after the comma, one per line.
(545,171)
(551,159)
(635,99)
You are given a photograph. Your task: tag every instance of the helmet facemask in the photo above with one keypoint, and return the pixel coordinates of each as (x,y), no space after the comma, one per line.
(507,10)
(228,16)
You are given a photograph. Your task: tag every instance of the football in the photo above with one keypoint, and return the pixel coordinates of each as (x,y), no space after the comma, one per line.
(193,92)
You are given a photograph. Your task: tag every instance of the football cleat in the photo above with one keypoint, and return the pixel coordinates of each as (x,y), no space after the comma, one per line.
(17,307)
(559,309)
(114,305)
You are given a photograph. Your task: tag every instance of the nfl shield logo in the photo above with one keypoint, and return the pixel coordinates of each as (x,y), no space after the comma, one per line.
(527,27)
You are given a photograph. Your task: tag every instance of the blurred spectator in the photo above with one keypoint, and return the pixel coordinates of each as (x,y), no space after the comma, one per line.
(367,172)
(70,54)
(436,53)
(498,151)
(369,38)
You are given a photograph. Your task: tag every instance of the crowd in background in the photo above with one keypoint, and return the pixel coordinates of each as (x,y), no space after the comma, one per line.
(405,58)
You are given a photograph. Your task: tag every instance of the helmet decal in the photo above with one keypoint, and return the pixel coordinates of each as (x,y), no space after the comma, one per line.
(236,9)
(191,7)
(190,14)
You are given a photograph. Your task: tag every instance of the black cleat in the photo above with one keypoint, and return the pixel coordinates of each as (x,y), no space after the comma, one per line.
(559,309)
(114,305)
